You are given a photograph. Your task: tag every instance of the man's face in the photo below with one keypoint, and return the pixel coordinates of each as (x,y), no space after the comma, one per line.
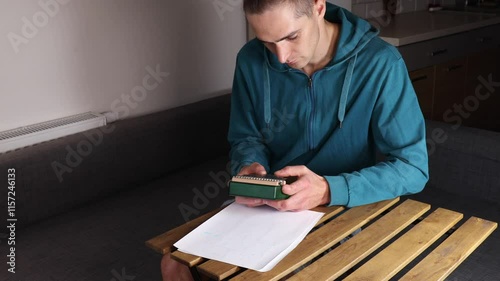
(293,40)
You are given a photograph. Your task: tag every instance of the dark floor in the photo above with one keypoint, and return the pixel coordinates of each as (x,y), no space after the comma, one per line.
(105,241)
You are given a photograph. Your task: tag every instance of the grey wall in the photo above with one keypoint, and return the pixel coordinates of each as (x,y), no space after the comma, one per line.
(71,56)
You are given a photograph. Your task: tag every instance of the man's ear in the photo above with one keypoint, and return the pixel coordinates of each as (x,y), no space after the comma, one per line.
(319,8)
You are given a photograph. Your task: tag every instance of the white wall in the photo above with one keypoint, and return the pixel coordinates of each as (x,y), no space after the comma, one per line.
(86,55)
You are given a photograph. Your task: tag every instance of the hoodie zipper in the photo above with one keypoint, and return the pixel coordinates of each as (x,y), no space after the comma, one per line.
(311,117)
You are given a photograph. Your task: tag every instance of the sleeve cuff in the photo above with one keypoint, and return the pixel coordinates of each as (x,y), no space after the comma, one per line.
(339,191)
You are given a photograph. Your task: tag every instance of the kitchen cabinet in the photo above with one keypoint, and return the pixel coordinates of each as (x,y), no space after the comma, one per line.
(449,89)
(432,52)
(495,99)
(450,77)
(482,100)
(423,83)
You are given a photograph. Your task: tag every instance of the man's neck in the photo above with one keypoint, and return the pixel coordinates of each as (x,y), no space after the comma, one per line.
(326,48)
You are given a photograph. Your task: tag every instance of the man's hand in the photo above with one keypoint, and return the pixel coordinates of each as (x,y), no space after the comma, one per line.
(256,169)
(308,191)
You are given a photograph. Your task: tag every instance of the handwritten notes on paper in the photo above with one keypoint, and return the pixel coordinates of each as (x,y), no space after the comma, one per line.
(255,238)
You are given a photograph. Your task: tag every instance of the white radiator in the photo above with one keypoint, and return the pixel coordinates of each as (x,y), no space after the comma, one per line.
(37,133)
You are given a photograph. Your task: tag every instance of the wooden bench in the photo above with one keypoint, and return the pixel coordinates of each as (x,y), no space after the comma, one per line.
(393,235)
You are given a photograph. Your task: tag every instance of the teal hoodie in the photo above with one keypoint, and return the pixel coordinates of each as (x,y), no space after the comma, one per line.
(335,121)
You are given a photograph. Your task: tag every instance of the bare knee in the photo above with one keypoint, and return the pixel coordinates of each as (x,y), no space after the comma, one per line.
(172,270)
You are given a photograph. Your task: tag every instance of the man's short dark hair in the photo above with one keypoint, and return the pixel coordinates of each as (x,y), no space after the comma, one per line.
(302,7)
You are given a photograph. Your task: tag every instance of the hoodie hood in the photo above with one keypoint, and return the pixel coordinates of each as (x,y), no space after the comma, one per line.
(355,33)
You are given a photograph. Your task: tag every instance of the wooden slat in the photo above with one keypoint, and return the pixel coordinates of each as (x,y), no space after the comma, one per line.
(163,242)
(219,270)
(453,251)
(329,212)
(186,259)
(320,240)
(345,256)
(402,251)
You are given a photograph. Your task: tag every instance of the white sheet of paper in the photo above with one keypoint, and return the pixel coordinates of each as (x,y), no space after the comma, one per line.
(255,238)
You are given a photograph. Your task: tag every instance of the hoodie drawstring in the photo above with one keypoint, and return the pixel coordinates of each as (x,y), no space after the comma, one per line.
(343,96)
(345,89)
(267,95)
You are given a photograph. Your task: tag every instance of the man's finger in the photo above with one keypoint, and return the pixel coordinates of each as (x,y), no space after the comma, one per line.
(249,201)
(254,168)
(277,204)
(291,189)
(290,171)
(291,204)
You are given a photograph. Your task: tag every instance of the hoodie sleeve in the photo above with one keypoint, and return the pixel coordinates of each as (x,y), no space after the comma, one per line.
(244,136)
(398,130)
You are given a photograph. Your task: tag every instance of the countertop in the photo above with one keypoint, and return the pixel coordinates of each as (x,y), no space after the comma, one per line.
(414,27)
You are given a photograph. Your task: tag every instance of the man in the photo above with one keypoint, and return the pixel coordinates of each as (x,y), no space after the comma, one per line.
(315,96)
